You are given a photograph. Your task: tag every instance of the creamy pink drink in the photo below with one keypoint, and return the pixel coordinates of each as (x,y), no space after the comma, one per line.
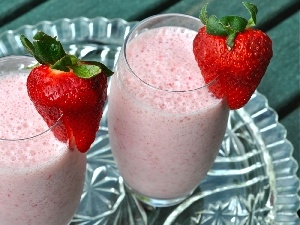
(165,125)
(41,180)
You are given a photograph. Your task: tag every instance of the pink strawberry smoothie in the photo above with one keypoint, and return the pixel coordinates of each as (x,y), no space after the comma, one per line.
(164,138)
(41,180)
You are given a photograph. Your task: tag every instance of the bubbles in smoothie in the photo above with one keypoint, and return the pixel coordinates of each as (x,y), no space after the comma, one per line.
(20,120)
(166,63)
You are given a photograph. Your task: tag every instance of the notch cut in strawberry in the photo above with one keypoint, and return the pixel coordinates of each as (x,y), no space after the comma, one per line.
(65,88)
(232,52)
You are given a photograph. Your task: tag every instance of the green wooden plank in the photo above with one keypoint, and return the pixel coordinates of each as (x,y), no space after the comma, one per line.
(56,9)
(282,79)
(8,6)
(132,9)
(11,9)
(267,9)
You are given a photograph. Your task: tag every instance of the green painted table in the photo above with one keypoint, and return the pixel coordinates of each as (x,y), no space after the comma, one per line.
(280,19)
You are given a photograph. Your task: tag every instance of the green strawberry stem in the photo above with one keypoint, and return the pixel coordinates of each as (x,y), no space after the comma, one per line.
(228,26)
(48,51)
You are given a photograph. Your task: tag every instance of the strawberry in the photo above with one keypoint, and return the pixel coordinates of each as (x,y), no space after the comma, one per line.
(64,88)
(232,52)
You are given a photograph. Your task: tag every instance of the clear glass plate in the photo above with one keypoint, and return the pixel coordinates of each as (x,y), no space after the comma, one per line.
(253,180)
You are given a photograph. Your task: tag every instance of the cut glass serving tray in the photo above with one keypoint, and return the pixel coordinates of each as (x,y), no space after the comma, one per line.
(253,180)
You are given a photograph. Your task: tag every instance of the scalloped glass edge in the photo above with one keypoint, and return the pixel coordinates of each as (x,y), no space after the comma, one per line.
(287,184)
(69,30)
(286,196)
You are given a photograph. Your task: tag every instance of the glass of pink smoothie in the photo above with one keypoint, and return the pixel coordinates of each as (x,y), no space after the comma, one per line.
(41,179)
(165,125)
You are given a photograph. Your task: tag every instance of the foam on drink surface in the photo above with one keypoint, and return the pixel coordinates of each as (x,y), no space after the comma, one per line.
(165,61)
(20,120)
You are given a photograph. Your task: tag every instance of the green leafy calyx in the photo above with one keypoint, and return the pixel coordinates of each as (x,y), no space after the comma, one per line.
(48,51)
(228,26)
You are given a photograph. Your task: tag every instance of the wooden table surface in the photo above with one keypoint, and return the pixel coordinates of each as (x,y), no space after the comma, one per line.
(280,19)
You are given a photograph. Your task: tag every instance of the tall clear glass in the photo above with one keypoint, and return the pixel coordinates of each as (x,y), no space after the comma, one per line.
(41,180)
(165,125)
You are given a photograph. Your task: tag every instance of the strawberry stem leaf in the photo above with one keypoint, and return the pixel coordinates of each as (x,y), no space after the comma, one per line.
(48,51)
(85,70)
(63,64)
(228,26)
(104,68)
(230,40)
(253,10)
(27,44)
(234,23)
(47,48)
(203,14)
(215,27)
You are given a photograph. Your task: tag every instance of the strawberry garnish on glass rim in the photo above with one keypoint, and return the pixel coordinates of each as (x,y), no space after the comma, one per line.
(234,54)
(66,89)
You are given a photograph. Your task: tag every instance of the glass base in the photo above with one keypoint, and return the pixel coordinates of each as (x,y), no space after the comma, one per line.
(157,202)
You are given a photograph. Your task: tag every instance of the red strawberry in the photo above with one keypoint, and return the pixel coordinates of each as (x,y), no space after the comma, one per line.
(62,86)
(233,53)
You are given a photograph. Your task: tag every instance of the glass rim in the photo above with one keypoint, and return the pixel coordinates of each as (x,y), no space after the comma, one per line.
(17,57)
(206,85)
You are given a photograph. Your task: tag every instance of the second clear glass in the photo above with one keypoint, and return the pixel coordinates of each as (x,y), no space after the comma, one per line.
(165,125)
